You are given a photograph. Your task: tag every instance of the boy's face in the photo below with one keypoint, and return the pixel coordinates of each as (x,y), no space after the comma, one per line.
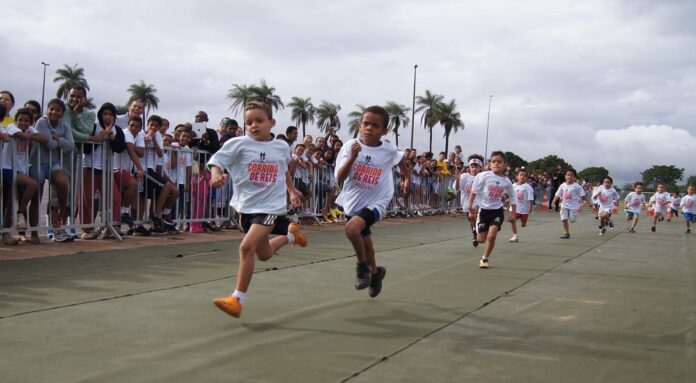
(498,165)
(457,149)
(34,111)
(372,128)
(474,169)
(441,156)
(258,124)
(167,140)
(639,189)
(23,121)
(691,190)
(607,184)
(299,150)
(76,97)
(310,151)
(136,109)
(165,126)
(521,177)
(328,155)
(185,138)
(321,141)
(660,188)
(307,140)
(6,101)
(134,127)
(569,177)
(108,118)
(55,113)
(152,125)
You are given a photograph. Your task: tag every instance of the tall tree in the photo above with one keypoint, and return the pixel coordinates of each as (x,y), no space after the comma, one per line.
(327,116)
(397,118)
(593,174)
(691,181)
(669,175)
(548,164)
(302,112)
(266,94)
(514,160)
(146,93)
(355,117)
(449,118)
(68,78)
(426,104)
(240,96)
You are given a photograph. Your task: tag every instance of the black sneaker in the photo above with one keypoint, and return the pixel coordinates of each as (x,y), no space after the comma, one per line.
(611,224)
(688,231)
(142,231)
(126,219)
(474,242)
(362,279)
(652,229)
(376,282)
(167,221)
(157,226)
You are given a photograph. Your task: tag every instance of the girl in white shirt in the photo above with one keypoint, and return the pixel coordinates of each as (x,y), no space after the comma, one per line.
(571,195)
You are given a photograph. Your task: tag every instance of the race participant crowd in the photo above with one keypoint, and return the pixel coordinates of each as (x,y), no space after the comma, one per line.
(161,184)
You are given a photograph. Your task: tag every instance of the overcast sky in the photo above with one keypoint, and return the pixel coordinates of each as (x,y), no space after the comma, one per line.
(599,83)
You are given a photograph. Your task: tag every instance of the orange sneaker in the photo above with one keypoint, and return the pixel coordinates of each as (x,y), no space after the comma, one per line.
(300,239)
(229,305)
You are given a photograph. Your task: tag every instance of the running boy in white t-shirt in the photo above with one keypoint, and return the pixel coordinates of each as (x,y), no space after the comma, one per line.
(608,198)
(659,203)
(674,205)
(633,204)
(259,168)
(525,202)
(688,204)
(488,190)
(464,183)
(364,166)
(571,194)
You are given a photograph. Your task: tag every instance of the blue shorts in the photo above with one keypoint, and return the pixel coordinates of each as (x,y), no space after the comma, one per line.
(371,216)
(691,217)
(631,214)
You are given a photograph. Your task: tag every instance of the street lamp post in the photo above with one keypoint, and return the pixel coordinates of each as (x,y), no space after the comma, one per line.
(488,123)
(413,107)
(43,86)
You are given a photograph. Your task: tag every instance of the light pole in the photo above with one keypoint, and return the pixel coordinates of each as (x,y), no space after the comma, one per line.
(43,86)
(413,108)
(488,124)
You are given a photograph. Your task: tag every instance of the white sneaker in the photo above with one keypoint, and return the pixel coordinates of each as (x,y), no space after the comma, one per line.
(21,222)
(514,238)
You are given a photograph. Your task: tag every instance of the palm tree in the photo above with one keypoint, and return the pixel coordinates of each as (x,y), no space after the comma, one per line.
(355,117)
(447,115)
(426,104)
(265,94)
(397,117)
(240,96)
(146,93)
(70,77)
(327,116)
(302,112)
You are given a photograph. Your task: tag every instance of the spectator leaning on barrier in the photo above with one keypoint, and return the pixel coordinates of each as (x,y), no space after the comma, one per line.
(7,100)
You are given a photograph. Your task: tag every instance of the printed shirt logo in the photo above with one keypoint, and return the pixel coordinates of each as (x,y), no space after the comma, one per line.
(263,174)
(661,201)
(567,196)
(520,196)
(689,203)
(495,192)
(635,202)
(365,175)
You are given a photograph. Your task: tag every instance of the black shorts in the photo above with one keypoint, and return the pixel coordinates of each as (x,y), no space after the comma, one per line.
(487,218)
(153,183)
(280,223)
(371,216)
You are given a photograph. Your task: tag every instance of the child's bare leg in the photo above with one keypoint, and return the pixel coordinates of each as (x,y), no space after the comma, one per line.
(566,226)
(513,224)
(353,229)
(490,243)
(30,188)
(256,240)
(370,253)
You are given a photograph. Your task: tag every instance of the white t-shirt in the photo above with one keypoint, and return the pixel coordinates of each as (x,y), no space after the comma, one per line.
(570,195)
(122,160)
(415,176)
(674,203)
(21,152)
(634,202)
(688,204)
(151,157)
(659,201)
(257,169)
(466,181)
(489,189)
(95,159)
(525,196)
(606,198)
(370,182)
(184,160)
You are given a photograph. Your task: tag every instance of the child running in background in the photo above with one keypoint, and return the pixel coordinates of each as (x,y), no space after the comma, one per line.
(608,199)
(688,204)
(464,183)
(571,195)
(365,164)
(489,187)
(674,205)
(525,202)
(658,202)
(632,204)
(259,168)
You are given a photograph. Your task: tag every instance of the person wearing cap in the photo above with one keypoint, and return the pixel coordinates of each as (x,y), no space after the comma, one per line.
(228,129)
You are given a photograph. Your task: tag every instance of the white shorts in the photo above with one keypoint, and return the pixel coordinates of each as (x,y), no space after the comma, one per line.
(608,210)
(569,214)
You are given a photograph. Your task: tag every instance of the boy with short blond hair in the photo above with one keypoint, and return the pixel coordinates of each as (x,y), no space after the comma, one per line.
(633,203)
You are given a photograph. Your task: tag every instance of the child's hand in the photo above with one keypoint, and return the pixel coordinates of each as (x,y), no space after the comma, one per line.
(406,186)
(295,199)
(355,149)
(218,179)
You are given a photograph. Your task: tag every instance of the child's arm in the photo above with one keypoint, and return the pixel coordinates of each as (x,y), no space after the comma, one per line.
(342,172)
(217,178)
(132,153)
(187,184)
(295,199)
